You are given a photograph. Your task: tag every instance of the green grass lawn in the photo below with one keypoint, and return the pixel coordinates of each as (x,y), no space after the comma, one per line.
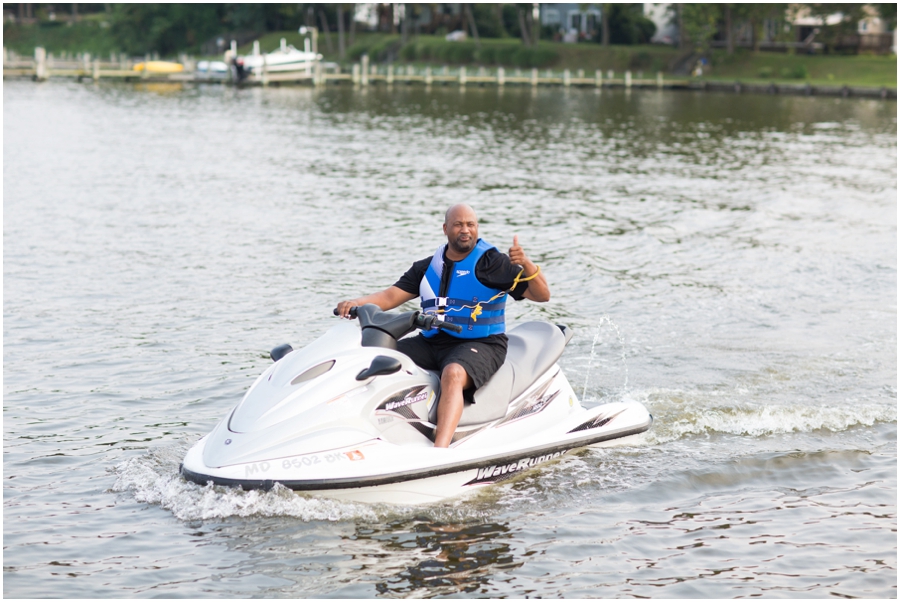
(90,34)
(860,70)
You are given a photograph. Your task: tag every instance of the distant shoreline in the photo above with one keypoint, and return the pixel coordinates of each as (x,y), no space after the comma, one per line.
(461,78)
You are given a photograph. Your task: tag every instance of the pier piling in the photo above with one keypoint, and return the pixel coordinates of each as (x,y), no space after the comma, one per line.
(40,69)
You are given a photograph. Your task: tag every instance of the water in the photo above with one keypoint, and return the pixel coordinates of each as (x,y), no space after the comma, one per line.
(729,261)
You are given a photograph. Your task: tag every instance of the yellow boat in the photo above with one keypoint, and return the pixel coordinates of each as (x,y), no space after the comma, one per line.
(159,67)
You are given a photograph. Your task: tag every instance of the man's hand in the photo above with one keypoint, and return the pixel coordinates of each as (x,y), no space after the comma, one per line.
(517,253)
(343,308)
(389,298)
(537,288)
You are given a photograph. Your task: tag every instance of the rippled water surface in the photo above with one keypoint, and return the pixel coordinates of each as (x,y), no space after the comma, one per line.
(729,261)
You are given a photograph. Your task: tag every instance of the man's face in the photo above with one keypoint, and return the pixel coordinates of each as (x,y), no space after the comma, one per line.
(461,229)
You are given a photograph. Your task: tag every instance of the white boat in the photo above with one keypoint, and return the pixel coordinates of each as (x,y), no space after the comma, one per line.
(212,67)
(286,58)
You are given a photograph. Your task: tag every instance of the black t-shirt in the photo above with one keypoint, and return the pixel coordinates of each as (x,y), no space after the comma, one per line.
(493,269)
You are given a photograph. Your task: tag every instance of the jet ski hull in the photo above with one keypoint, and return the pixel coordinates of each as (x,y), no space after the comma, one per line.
(377,471)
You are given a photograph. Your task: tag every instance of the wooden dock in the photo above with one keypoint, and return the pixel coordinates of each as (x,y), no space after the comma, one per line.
(43,66)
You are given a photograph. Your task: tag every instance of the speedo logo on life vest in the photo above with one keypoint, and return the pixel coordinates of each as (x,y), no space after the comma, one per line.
(497,473)
(462,273)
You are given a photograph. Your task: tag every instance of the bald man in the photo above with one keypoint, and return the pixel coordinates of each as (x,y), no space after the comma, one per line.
(465,275)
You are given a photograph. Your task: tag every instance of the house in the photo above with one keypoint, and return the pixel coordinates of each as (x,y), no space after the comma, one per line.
(663,16)
(585,19)
(872,33)
(573,20)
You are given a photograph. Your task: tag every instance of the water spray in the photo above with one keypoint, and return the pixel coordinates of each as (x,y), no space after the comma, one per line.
(587,376)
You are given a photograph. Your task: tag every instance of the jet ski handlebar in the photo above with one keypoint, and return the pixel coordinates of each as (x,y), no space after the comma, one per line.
(371,316)
(429,321)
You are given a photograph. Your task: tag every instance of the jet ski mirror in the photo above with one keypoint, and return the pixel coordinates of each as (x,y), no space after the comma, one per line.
(279,352)
(381,365)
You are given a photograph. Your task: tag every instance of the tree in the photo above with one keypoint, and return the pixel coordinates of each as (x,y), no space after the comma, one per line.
(888,14)
(625,24)
(605,13)
(699,22)
(342,50)
(323,18)
(757,14)
(406,15)
(728,11)
(832,36)
(523,27)
(169,28)
(501,29)
(472,25)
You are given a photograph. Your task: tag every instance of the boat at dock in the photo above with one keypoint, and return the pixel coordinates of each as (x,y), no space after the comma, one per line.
(159,67)
(286,58)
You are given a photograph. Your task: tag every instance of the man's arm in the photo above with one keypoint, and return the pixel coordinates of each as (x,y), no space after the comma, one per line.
(538,289)
(389,298)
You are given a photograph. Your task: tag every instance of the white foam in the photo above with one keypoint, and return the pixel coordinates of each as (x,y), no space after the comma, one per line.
(678,414)
(153,478)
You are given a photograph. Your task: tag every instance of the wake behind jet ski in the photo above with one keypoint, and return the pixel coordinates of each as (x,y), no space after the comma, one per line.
(350,417)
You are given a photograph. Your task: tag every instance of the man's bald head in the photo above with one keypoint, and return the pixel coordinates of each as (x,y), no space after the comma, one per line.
(461,228)
(461,207)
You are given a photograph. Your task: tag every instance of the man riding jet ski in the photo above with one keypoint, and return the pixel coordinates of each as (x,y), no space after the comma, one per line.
(465,283)
(352,416)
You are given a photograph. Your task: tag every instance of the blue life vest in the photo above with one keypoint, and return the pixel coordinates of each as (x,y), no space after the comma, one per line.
(464,294)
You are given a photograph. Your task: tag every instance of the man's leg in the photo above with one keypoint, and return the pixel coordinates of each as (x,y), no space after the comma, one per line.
(454,379)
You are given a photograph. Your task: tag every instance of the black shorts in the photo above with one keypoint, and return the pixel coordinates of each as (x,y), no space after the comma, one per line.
(481,358)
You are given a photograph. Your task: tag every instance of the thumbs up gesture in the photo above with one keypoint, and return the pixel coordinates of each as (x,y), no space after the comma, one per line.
(537,285)
(516,253)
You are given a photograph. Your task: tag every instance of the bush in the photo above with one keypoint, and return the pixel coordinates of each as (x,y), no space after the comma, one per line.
(462,53)
(765,72)
(640,60)
(355,52)
(526,57)
(408,52)
(486,55)
(382,48)
(543,57)
(505,55)
(795,72)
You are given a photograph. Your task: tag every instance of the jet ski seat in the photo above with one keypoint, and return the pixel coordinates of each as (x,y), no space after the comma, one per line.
(533,349)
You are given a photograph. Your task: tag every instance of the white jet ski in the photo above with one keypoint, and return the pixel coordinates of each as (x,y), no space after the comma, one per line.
(350,417)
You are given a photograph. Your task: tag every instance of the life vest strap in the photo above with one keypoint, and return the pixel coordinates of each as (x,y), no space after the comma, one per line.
(466,320)
(442,302)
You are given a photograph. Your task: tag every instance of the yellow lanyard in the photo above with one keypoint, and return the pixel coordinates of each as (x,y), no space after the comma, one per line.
(476,309)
